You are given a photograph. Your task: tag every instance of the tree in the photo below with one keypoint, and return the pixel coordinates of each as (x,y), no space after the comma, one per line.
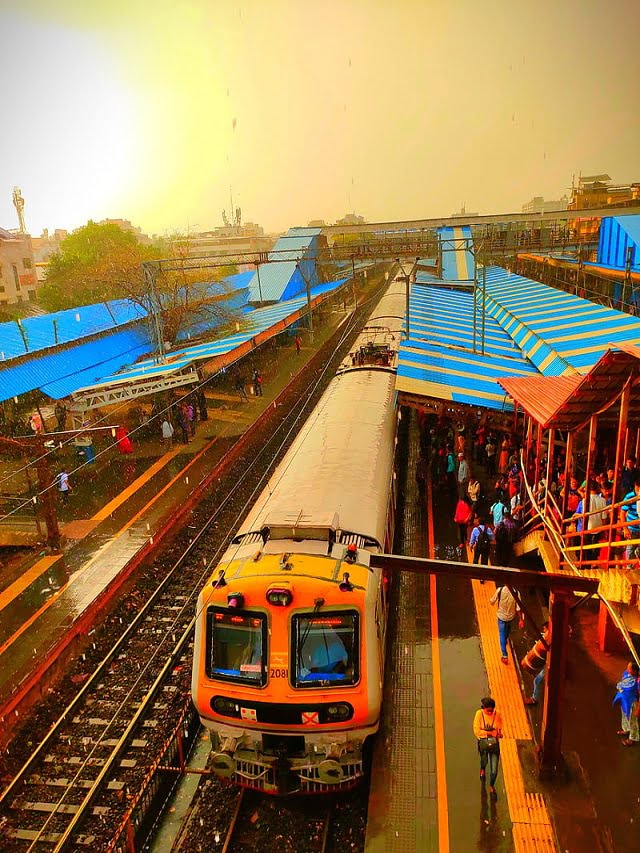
(100,262)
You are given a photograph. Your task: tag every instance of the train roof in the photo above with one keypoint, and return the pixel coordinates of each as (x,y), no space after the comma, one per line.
(341,463)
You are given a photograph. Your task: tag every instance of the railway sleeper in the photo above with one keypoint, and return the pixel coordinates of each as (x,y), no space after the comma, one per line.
(58,808)
(113,785)
(126,763)
(137,743)
(49,837)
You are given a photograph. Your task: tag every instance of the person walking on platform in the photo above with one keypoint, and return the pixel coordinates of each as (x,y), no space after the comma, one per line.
(451,470)
(481,539)
(240,388)
(487,728)
(627,697)
(503,461)
(298,343)
(462,517)
(167,432)
(64,485)
(507,611)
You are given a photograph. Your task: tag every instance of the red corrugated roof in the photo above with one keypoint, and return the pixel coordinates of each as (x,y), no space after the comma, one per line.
(568,401)
(541,396)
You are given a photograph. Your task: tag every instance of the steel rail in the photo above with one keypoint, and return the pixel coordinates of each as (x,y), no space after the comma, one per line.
(168,663)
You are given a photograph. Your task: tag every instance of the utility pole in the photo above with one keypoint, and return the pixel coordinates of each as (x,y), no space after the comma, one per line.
(353,282)
(259,285)
(150,276)
(308,286)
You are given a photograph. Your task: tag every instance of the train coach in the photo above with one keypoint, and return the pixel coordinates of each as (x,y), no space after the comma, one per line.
(290,631)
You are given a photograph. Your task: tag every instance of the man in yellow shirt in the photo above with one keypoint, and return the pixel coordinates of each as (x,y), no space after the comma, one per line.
(487,727)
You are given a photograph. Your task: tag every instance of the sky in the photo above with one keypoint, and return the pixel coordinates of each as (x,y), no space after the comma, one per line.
(394,109)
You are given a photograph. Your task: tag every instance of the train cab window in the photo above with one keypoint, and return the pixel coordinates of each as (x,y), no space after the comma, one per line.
(325,649)
(237,646)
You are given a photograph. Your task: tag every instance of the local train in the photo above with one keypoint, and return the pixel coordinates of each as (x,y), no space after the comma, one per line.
(290,631)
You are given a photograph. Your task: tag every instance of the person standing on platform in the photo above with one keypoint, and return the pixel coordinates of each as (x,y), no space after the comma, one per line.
(505,534)
(240,388)
(629,514)
(627,698)
(298,343)
(184,422)
(191,417)
(481,539)
(61,415)
(503,461)
(473,490)
(123,441)
(64,485)
(507,611)
(257,383)
(498,509)
(451,470)
(629,474)
(490,451)
(464,472)
(487,727)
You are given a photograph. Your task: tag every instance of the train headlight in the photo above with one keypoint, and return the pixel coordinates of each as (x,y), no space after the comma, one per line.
(339,711)
(279,596)
(226,707)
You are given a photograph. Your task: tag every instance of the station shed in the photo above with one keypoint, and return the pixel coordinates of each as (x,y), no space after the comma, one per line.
(577,426)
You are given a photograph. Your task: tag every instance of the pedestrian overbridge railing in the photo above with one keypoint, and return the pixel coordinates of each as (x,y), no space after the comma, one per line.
(603,561)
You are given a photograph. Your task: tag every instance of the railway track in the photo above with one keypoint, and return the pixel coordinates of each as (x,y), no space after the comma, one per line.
(260,822)
(81,784)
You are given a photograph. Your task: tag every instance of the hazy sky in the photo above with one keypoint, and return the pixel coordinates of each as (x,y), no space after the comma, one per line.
(394,109)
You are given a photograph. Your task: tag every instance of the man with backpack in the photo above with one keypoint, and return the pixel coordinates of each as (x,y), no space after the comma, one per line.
(481,539)
(507,611)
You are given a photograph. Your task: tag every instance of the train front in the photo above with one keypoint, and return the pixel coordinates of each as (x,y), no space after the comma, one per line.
(289,682)
(290,632)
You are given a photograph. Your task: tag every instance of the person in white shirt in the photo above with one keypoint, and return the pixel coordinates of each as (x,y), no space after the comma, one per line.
(507,611)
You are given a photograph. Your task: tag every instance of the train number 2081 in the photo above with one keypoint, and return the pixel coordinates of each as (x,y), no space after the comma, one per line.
(279,673)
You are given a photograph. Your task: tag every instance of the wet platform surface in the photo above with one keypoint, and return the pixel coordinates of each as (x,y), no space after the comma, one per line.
(39,608)
(426,794)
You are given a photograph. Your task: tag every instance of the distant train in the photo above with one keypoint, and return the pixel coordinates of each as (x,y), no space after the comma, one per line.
(290,637)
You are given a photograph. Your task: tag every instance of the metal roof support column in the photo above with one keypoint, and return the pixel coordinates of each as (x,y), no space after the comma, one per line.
(538,453)
(622,428)
(484,296)
(550,454)
(637,442)
(529,435)
(586,499)
(568,473)
(550,755)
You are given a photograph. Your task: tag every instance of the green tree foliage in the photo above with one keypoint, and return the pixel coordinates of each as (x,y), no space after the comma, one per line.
(100,262)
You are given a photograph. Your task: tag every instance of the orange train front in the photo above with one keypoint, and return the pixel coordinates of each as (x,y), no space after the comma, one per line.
(290,633)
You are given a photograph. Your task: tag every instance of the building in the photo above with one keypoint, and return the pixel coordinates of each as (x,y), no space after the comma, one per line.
(598,191)
(47,244)
(539,205)
(127,225)
(351,219)
(228,240)
(18,281)
(316,223)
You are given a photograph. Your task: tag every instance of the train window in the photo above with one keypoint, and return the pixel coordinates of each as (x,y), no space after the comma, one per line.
(236,646)
(325,649)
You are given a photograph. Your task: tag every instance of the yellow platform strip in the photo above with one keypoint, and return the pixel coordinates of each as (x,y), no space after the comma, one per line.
(532,829)
(125,494)
(19,585)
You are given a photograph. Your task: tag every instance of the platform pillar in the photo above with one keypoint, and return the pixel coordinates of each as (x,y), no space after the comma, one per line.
(550,755)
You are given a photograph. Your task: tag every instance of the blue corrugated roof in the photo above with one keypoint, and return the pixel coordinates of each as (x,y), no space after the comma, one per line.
(438,359)
(558,331)
(305,232)
(60,373)
(257,320)
(457,261)
(274,279)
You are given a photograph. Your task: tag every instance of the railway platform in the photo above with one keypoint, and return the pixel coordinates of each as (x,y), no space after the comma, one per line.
(444,657)
(112,522)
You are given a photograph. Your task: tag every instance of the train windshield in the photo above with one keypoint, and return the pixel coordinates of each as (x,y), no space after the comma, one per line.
(325,649)
(236,646)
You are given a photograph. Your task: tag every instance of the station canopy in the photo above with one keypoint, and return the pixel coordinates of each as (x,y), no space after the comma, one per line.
(567,402)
